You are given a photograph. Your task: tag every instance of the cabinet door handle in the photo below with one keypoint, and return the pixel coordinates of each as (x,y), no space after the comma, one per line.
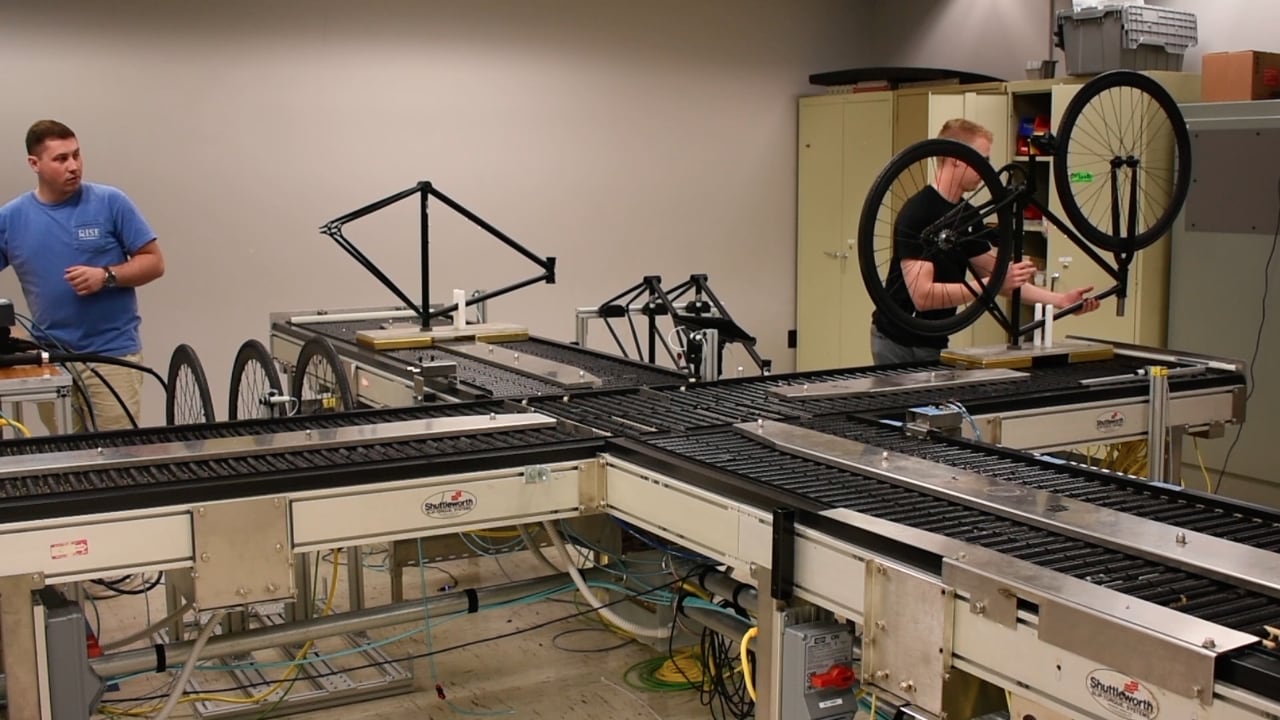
(1053,282)
(830,254)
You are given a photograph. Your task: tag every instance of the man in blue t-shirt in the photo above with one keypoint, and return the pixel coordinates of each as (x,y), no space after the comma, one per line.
(79,250)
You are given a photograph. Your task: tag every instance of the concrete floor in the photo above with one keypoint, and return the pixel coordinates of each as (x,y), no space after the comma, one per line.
(526,675)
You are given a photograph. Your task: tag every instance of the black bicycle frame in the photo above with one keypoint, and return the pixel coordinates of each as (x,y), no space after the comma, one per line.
(425,190)
(1022,196)
(696,314)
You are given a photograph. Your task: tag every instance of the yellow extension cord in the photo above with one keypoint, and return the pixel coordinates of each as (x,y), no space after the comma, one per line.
(746,662)
(16,426)
(1131,458)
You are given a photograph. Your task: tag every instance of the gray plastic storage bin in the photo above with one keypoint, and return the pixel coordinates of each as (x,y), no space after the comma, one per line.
(1133,37)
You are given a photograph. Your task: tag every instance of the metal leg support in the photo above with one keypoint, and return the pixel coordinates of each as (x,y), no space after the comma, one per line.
(1174,455)
(21,657)
(304,607)
(771,620)
(1157,423)
(355,578)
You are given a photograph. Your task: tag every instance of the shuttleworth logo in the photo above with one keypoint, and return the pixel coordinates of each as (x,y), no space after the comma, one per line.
(449,504)
(1109,422)
(1122,696)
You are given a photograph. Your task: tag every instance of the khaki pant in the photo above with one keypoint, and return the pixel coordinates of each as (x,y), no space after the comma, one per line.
(107,414)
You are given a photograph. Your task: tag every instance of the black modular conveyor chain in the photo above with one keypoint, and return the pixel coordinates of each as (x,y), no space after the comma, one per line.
(243,428)
(822,487)
(175,470)
(673,410)
(1249,525)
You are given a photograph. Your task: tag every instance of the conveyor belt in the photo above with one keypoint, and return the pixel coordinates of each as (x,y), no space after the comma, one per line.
(365,456)
(241,428)
(502,383)
(829,487)
(683,409)
(1245,524)
(172,480)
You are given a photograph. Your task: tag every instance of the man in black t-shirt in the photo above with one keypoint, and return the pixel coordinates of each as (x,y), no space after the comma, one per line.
(940,252)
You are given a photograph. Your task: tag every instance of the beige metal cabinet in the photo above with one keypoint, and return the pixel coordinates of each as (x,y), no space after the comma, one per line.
(844,142)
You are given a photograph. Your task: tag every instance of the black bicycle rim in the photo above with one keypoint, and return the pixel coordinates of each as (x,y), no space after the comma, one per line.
(1127,119)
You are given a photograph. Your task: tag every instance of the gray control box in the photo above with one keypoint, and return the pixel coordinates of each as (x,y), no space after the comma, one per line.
(817,672)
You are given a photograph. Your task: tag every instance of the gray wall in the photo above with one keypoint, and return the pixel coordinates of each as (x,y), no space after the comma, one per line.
(1217,285)
(624,138)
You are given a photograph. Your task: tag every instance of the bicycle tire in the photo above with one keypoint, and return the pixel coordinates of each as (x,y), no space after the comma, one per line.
(1002,207)
(1071,126)
(332,387)
(255,369)
(188,400)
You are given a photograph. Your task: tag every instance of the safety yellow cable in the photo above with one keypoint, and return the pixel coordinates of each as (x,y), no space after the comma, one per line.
(746,664)
(683,667)
(16,426)
(1208,485)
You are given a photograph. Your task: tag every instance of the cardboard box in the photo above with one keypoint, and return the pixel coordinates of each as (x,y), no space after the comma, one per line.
(1244,75)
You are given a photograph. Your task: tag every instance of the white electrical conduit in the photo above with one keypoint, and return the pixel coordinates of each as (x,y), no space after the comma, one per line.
(189,666)
(605,612)
(537,551)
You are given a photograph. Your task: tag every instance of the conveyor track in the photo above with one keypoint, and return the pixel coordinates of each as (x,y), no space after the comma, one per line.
(502,383)
(828,487)
(1244,524)
(639,412)
(262,465)
(241,428)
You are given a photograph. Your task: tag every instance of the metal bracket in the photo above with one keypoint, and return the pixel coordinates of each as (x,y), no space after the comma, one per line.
(593,495)
(1128,646)
(243,553)
(988,596)
(536,474)
(907,637)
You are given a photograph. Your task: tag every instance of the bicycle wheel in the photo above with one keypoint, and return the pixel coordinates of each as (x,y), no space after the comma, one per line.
(978,218)
(319,382)
(1123,161)
(189,401)
(254,381)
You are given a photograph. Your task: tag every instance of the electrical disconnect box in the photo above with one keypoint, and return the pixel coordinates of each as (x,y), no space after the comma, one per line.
(818,681)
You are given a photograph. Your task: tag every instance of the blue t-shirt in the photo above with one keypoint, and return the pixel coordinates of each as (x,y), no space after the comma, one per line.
(97,226)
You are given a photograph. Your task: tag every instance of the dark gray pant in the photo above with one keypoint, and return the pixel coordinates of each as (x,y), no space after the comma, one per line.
(887,352)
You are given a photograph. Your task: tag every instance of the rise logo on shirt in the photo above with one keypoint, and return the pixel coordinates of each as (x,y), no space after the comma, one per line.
(88,233)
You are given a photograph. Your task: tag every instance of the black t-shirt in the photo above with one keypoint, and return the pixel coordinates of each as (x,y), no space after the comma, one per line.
(930,227)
